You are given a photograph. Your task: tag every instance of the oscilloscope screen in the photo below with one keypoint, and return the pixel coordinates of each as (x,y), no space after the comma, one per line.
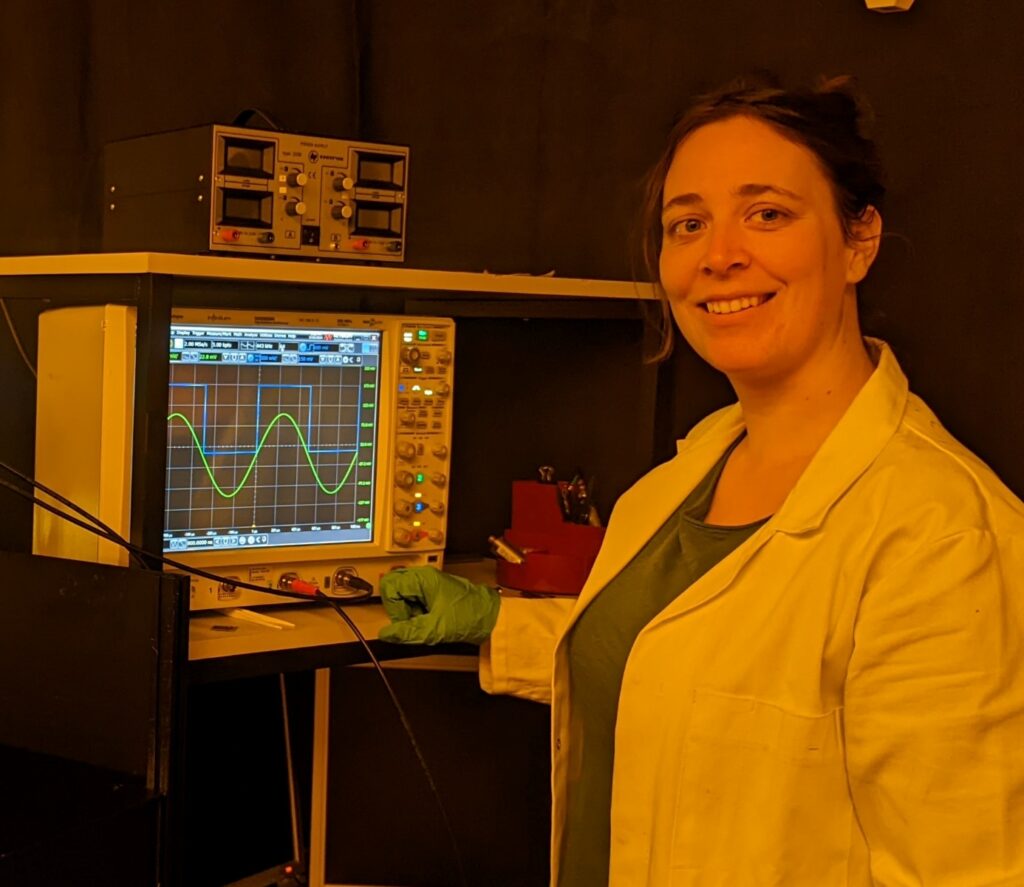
(271,437)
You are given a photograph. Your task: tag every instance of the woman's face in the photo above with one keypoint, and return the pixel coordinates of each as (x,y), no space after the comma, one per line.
(754,261)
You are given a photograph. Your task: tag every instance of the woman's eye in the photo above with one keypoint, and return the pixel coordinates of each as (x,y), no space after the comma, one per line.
(769,215)
(684,226)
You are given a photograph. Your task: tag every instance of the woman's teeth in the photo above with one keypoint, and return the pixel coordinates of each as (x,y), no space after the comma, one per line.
(731,306)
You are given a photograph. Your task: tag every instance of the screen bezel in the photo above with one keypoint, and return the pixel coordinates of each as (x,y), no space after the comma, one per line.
(383,494)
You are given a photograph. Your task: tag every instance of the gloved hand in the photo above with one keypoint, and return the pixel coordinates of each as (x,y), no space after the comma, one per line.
(427,606)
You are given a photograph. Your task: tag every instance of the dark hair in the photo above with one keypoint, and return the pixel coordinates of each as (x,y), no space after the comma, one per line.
(829,120)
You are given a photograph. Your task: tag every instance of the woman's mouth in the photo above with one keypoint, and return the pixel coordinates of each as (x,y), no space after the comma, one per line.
(737,304)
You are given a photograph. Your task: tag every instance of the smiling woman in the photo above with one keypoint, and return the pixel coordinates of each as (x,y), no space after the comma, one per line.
(761,219)
(798,660)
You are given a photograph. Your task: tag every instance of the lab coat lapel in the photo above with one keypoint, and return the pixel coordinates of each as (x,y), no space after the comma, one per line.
(867,425)
(857,439)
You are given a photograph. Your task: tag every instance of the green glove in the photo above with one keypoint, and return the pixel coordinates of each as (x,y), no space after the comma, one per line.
(427,606)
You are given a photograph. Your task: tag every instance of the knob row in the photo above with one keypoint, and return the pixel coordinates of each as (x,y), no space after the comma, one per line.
(407,450)
(405,537)
(406,479)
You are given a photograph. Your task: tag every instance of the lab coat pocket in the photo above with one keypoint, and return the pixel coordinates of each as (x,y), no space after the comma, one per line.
(762,797)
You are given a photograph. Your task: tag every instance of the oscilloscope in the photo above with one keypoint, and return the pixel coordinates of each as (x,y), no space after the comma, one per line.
(299,445)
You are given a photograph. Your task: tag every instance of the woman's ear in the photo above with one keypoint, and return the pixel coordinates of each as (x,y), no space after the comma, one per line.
(862,244)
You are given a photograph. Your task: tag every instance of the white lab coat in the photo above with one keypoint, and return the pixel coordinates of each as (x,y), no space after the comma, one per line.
(840,701)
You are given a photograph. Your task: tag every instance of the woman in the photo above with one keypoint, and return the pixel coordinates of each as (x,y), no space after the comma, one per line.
(797,659)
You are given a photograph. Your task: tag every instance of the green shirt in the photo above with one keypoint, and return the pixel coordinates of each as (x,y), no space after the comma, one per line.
(682,551)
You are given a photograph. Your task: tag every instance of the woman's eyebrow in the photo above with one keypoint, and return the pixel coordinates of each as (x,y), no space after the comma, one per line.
(753,189)
(756,190)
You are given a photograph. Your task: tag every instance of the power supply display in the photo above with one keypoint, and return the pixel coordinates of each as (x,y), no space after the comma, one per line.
(228,189)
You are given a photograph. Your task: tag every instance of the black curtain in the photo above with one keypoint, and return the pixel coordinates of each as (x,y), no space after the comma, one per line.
(75,74)
(531,124)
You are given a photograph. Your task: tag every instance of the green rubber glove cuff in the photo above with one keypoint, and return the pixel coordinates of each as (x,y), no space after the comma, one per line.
(427,606)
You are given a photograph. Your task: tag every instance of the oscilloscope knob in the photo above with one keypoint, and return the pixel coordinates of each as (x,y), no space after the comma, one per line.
(402,536)
(404,479)
(443,389)
(437,508)
(441,451)
(403,507)
(295,208)
(406,450)
(408,417)
(444,357)
(436,536)
(297,179)
(410,355)
(438,478)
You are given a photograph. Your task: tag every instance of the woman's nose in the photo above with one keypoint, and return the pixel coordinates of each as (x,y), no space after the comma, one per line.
(725,252)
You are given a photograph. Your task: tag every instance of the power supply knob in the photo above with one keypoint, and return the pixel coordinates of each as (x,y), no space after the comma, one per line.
(441,451)
(342,183)
(295,208)
(402,536)
(410,355)
(403,507)
(436,536)
(443,389)
(438,478)
(341,211)
(404,479)
(297,179)
(406,450)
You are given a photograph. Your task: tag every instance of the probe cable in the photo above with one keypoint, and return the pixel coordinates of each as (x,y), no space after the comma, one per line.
(97,527)
(16,338)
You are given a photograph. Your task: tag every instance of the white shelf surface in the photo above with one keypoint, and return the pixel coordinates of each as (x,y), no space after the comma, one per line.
(322,274)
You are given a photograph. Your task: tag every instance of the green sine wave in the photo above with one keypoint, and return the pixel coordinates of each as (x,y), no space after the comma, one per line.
(302,440)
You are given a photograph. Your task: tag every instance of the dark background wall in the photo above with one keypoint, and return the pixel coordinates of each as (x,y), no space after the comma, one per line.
(531,124)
